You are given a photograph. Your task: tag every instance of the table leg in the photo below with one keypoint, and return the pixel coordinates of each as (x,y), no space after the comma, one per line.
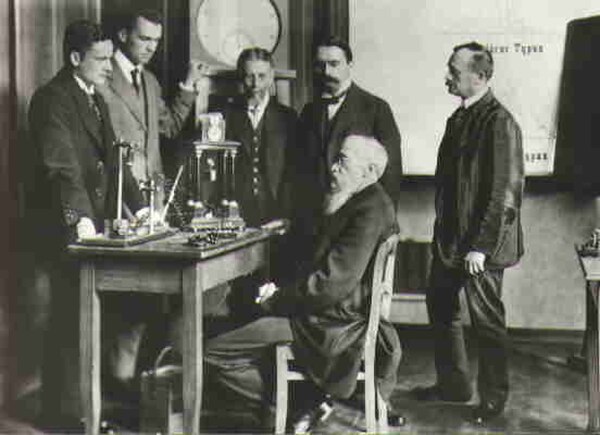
(192,349)
(592,352)
(89,348)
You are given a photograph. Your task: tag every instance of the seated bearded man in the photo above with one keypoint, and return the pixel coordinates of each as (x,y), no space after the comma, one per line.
(324,311)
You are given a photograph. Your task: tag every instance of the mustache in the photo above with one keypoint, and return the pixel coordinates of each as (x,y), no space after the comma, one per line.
(327,79)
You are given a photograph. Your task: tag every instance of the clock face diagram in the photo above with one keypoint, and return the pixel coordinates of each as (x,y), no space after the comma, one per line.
(226,27)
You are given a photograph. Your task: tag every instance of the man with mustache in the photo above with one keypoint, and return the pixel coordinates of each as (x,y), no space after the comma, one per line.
(75,191)
(322,309)
(340,108)
(139,116)
(477,234)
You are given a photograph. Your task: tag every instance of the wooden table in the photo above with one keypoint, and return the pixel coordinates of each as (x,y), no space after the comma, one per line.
(165,266)
(591,272)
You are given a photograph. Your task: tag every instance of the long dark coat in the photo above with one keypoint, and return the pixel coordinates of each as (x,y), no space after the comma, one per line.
(75,177)
(329,308)
(479,180)
(76,160)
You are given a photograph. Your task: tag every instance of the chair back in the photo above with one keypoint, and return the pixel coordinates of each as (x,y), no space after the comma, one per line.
(382,286)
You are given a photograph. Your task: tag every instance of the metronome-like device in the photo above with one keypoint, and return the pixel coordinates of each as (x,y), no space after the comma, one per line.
(211,169)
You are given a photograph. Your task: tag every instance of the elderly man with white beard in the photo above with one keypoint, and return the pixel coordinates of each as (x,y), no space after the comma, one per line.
(323,310)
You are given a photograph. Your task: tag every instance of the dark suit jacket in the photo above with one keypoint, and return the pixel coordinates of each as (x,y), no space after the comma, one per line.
(479,179)
(278,132)
(328,307)
(360,113)
(76,160)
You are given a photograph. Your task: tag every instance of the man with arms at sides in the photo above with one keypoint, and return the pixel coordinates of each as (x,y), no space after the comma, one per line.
(75,191)
(323,309)
(477,234)
(139,116)
(266,130)
(340,108)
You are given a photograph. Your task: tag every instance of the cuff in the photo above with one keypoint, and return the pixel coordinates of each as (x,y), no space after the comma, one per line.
(186,88)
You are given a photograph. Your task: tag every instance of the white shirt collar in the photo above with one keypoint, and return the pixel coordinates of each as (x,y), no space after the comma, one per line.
(126,65)
(332,109)
(255,113)
(468,102)
(88,89)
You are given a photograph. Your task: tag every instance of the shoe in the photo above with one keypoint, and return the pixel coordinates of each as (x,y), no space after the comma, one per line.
(435,394)
(308,420)
(61,424)
(396,420)
(487,411)
(110,427)
(121,391)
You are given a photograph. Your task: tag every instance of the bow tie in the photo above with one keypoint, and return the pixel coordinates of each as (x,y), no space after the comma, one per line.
(335,99)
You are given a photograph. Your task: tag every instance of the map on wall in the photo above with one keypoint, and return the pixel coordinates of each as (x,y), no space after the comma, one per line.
(401,50)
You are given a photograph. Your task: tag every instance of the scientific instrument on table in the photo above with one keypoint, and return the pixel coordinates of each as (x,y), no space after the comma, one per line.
(127,229)
(591,248)
(211,173)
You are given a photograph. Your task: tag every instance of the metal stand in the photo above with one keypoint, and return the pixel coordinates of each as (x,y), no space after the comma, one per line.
(220,213)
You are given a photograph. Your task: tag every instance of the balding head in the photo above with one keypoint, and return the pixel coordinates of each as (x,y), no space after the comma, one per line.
(361,162)
(370,151)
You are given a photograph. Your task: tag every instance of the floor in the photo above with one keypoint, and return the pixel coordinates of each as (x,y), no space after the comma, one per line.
(547,397)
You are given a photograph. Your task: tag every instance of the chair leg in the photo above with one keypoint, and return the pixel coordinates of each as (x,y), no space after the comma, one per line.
(383,414)
(370,397)
(281,388)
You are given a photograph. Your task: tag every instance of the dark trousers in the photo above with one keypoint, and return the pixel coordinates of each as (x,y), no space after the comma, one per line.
(483,294)
(60,364)
(133,332)
(242,359)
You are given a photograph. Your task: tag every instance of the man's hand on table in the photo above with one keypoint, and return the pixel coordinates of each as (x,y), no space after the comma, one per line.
(86,229)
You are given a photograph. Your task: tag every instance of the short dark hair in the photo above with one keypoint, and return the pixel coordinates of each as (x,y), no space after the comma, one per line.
(80,36)
(129,17)
(335,41)
(482,61)
(253,53)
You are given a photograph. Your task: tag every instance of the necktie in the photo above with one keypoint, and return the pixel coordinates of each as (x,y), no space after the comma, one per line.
(135,75)
(335,99)
(94,105)
(253,114)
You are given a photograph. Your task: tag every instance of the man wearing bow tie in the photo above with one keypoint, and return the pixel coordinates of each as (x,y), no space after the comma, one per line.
(477,234)
(340,108)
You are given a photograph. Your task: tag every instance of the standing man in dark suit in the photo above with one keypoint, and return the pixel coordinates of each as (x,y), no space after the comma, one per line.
(139,116)
(340,108)
(266,130)
(477,234)
(73,139)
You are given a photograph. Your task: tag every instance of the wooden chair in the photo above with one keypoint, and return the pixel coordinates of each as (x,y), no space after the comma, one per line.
(381,294)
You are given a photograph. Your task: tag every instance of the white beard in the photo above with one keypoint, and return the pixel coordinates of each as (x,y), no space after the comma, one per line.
(334,201)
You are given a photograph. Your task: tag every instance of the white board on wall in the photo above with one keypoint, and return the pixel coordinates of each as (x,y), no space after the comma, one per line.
(401,49)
